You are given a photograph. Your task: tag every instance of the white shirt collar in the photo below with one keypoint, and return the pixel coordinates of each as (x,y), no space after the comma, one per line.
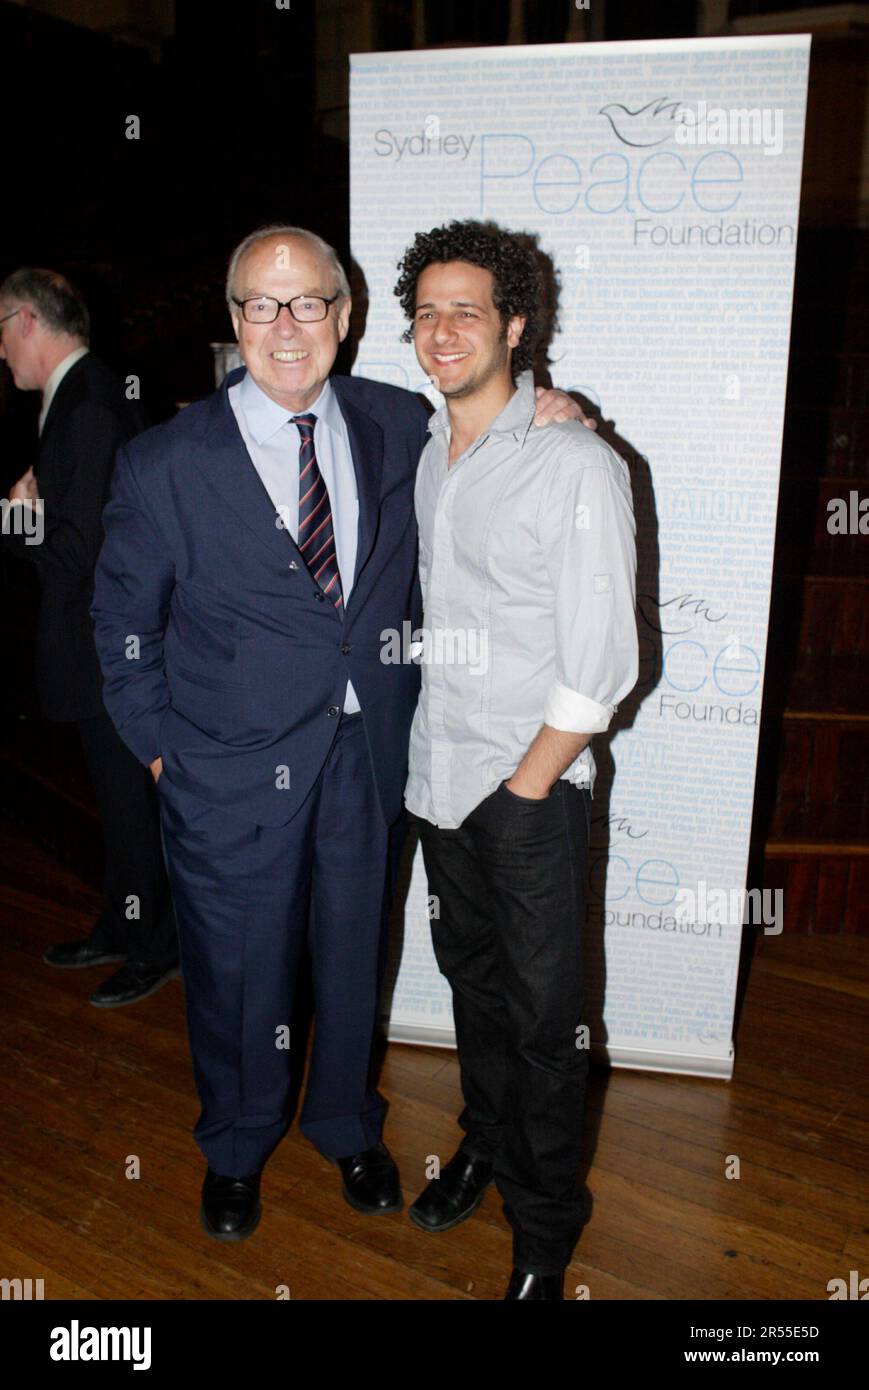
(516,417)
(264,417)
(50,389)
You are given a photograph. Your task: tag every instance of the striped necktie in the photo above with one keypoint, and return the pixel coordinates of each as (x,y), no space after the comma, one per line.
(316,537)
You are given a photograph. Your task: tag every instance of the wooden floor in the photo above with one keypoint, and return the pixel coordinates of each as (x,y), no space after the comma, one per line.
(83,1089)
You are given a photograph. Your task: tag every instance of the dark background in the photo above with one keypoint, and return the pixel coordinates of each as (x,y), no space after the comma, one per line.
(243,111)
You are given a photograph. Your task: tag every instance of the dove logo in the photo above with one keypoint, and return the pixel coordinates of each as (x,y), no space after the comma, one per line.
(673,617)
(647,126)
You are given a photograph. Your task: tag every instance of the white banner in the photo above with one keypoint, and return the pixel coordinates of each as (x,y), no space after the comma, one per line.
(663,180)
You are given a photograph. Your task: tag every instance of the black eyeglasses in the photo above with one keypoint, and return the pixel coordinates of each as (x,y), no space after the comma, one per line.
(305,308)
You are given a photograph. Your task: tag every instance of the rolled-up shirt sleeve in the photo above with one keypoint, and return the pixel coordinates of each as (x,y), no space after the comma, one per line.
(588,533)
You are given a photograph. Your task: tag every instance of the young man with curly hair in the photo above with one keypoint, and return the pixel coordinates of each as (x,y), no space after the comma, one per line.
(528,566)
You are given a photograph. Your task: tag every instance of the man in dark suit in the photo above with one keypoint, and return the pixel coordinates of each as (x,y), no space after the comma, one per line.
(259,550)
(85,418)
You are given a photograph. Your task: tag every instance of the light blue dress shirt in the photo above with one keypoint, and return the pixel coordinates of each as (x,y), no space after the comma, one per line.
(273,444)
(527,558)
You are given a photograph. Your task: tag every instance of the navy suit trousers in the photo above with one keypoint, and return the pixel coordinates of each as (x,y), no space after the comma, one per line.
(247,897)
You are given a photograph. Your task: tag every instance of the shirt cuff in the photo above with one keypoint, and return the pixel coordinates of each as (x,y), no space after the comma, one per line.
(573,713)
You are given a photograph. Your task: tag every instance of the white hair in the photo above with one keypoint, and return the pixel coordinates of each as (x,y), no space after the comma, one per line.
(329,254)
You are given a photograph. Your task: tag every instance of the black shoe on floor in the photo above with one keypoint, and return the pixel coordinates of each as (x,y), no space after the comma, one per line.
(231,1207)
(75,955)
(452,1197)
(535,1286)
(130,984)
(371,1182)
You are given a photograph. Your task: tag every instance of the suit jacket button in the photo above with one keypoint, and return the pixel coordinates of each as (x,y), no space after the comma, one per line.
(333,711)
(292,565)
(346,647)
(319,595)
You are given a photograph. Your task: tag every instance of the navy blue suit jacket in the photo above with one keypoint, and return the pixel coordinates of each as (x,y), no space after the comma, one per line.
(219,653)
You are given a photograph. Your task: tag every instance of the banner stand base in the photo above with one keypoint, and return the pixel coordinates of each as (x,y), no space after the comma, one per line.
(610,1054)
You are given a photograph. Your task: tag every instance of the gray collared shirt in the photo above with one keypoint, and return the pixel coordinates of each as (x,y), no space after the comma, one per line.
(273,444)
(528,568)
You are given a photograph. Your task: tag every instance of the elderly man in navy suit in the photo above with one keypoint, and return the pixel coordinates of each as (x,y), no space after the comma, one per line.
(257,547)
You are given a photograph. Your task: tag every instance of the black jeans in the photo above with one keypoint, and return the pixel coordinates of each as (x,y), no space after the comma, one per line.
(510,884)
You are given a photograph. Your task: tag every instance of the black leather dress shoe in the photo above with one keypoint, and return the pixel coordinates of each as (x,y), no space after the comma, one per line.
(75,955)
(535,1286)
(231,1207)
(371,1182)
(131,983)
(452,1197)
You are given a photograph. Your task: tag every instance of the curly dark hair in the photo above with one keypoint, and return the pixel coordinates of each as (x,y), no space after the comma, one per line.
(510,256)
